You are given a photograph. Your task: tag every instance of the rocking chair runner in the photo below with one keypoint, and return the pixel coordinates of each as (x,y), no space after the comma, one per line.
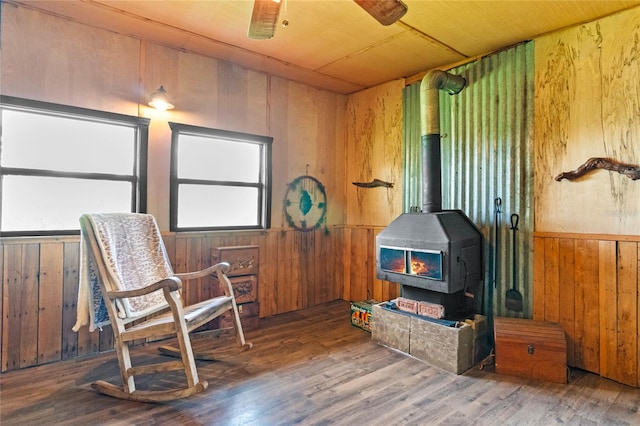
(125,273)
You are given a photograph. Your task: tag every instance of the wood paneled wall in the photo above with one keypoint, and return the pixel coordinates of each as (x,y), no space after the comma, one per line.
(374,151)
(297,270)
(586,105)
(589,284)
(312,134)
(360,278)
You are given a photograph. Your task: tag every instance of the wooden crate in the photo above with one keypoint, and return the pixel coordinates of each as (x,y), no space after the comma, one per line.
(390,328)
(530,349)
(449,348)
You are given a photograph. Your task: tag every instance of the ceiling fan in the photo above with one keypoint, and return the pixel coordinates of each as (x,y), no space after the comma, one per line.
(265,14)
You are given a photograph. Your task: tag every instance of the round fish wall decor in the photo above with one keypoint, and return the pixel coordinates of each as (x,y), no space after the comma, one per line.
(305,204)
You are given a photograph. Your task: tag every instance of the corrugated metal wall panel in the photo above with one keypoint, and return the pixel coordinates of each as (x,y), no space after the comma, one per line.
(411,167)
(487,136)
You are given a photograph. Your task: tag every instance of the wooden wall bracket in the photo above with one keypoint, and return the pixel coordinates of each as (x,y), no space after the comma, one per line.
(628,170)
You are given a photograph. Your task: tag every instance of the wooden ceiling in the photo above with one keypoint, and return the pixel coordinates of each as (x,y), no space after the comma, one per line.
(334,44)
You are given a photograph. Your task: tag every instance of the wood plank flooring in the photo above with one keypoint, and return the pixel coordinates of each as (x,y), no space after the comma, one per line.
(312,367)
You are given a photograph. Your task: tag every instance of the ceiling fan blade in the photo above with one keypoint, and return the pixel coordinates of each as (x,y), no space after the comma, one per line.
(264,19)
(384,11)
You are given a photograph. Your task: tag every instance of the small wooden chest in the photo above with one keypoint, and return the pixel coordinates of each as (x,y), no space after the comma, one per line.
(249,316)
(243,259)
(245,288)
(531,349)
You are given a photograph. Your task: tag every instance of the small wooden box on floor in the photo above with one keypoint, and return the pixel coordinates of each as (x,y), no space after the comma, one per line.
(531,349)
(450,348)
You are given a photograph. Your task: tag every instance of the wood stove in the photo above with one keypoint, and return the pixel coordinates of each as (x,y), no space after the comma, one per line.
(439,251)
(435,254)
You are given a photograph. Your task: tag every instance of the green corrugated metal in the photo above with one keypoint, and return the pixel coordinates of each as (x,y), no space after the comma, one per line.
(412,168)
(487,152)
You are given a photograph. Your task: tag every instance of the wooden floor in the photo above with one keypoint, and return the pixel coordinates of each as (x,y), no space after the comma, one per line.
(313,368)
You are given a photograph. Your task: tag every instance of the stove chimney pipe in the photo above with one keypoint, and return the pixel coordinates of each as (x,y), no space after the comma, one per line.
(430,87)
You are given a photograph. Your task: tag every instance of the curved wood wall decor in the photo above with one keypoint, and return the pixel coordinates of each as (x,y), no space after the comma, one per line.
(373,184)
(630,171)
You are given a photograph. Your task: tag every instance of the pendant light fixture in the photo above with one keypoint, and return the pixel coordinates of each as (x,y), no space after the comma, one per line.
(159,100)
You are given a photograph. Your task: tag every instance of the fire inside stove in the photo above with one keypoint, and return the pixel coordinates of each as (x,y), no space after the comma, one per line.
(422,263)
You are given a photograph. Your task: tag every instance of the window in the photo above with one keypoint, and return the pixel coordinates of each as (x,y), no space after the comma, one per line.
(219,179)
(57,162)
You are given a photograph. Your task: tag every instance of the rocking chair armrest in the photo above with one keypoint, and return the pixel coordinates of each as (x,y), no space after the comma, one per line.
(223,267)
(171,283)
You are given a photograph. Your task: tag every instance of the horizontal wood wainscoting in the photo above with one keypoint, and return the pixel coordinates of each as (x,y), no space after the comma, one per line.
(297,270)
(590,285)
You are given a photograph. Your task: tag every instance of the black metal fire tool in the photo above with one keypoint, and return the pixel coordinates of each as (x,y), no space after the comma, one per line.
(513,300)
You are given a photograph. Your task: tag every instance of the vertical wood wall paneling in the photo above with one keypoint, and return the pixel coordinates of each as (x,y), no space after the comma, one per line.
(71,259)
(12,304)
(586,338)
(586,302)
(590,285)
(382,290)
(346,264)
(359,267)
(268,293)
(304,266)
(608,286)
(207,286)
(28,314)
(289,281)
(566,293)
(627,311)
(539,278)
(552,277)
(359,264)
(50,302)
(194,256)
(328,270)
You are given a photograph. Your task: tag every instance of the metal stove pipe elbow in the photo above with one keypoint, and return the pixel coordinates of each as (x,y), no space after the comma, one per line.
(432,83)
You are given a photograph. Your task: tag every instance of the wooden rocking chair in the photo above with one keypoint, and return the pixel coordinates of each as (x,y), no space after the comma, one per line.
(124,260)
